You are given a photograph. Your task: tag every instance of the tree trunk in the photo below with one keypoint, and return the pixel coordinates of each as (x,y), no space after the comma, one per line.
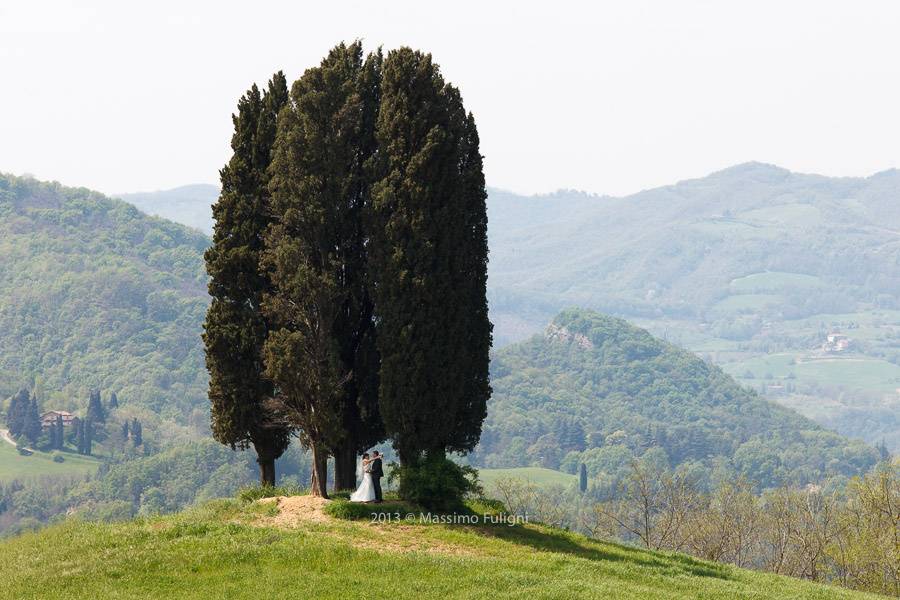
(344,468)
(265,457)
(318,485)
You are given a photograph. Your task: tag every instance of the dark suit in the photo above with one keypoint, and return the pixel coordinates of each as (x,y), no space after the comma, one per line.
(377,474)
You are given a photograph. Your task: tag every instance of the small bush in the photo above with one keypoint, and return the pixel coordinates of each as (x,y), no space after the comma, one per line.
(251,494)
(58,457)
(436,483)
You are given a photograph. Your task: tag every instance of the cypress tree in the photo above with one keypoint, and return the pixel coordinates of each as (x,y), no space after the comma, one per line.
(59,433)
(322,355)
(95,411)
(582,478)
(429,262)
(137,433)
(125,431)
(113,401)
(80,436)
(235,328)
(32,424)
(18,410)
(88,436)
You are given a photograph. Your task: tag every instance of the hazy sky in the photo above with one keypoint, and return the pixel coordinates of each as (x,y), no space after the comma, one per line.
(608,97)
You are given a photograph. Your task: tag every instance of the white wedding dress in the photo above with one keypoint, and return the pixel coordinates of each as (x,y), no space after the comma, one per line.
(366,490)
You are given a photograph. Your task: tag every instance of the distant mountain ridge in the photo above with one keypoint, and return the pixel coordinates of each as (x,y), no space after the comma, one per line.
(189,205)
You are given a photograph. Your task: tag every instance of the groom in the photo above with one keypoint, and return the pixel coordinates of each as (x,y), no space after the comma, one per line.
(377,474)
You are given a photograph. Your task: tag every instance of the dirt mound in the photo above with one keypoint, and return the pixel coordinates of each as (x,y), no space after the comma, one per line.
(294,510)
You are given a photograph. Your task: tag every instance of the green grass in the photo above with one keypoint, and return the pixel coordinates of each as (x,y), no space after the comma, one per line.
(216,552)
(747,302)
(773,281)
(537,475)
(15,466)
(854,372)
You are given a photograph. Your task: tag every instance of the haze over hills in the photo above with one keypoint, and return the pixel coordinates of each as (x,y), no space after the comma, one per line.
(188,204)
(752,267)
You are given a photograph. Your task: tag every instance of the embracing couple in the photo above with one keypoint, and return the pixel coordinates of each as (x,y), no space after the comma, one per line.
(370,488)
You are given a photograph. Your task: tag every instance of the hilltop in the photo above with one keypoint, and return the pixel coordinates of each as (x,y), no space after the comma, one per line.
(228,549)
(189,205)
(597,390)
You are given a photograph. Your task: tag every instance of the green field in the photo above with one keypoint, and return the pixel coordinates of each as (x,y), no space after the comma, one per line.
(537,475)
(773,281)
(747,302)
(228,550)
(853,372)
(15,466)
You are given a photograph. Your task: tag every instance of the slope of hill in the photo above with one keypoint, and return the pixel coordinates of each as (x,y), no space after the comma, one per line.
(225,550)
(595,390)
(189,205)
(97,295)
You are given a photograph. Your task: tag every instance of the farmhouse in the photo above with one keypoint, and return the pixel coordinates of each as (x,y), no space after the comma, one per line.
(49,418)
(836,342)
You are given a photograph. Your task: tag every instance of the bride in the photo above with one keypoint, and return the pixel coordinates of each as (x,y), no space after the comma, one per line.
(366,491)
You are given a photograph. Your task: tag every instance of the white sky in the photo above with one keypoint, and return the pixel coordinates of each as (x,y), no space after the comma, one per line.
(608,97)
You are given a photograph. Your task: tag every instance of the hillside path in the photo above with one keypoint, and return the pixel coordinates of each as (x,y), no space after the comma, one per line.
(4,433)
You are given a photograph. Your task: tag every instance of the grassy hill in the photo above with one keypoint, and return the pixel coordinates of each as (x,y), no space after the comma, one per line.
(597,390)
(96,294)
(228,550)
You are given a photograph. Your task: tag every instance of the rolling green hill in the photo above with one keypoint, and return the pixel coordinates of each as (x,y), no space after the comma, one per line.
(96,294)
(226,550)
(596,390)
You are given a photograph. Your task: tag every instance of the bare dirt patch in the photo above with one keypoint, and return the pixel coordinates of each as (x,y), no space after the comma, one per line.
(295,510)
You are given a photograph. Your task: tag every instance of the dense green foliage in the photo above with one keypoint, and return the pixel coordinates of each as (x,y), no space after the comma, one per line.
(98,295)
(235,328)
(436,483)
(429,262)
(321,350)
(220,549)
(596,390)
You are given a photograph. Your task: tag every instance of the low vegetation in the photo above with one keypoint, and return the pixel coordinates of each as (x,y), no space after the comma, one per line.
(228,549)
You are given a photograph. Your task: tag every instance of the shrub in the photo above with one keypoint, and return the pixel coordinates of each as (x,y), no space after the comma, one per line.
(58,457)
(436,483)
(253,493)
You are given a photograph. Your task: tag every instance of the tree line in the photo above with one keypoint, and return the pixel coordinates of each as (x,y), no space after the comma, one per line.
(348,268)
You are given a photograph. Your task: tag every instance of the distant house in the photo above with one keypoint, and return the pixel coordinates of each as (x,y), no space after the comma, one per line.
(49,418)
(836,342)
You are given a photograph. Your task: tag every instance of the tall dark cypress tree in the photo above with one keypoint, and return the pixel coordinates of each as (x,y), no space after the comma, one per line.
(88,434)
(322,354)
(32,424)
(18,409)
(137,433)
(429,262)
(59,441)
(235,327)
(80,436)
(95,411)
(113,401)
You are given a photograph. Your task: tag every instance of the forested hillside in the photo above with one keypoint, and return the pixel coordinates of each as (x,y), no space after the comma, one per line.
(595,390)
(96,294)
